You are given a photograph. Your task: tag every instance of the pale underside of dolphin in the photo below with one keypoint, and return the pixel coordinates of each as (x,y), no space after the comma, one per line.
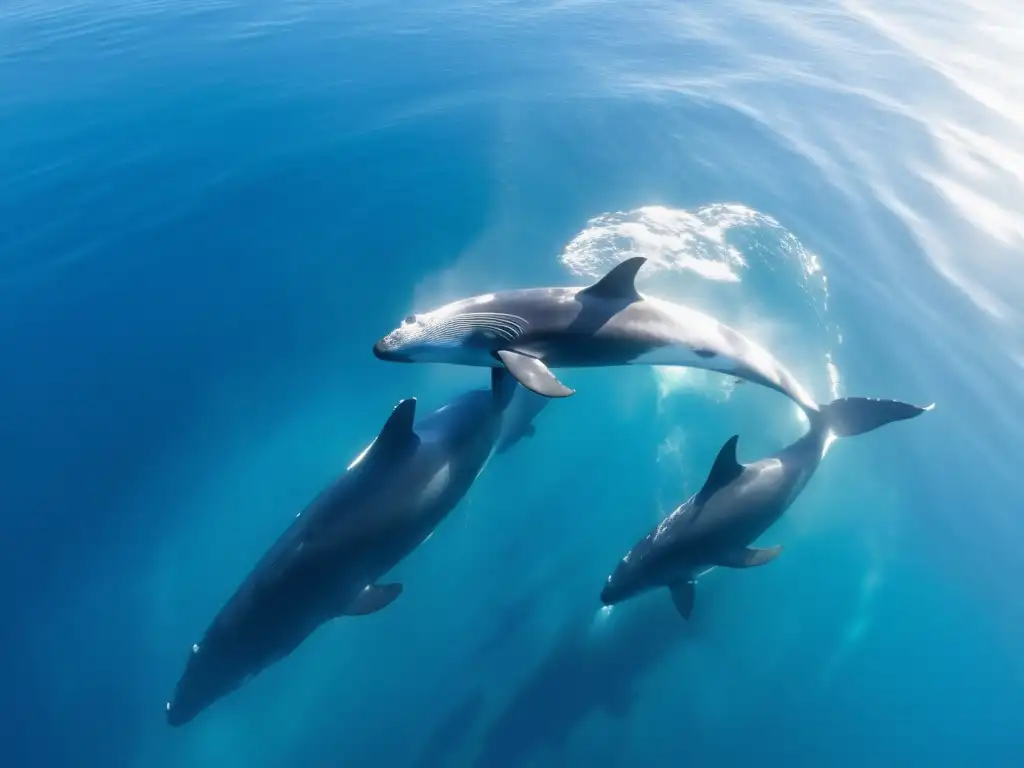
(532,331)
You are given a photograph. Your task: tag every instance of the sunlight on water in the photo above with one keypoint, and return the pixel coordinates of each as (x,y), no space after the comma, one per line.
(975,47)
(860,621)
(213,209)
(917,111)
(668,238)
(720,245)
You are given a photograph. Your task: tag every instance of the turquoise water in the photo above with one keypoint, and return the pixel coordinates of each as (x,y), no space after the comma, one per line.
(210,212)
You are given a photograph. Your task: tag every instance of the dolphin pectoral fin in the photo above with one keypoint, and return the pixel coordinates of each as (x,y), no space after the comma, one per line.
(373,598)
(748,558)
(533,374)
(682,597)
(619,282)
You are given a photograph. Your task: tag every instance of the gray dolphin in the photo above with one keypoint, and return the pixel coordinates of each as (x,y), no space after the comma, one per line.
(738,503)
(532,330)
(329,560)
(519,419)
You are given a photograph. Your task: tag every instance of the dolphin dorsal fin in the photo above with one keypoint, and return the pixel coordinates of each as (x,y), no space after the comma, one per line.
(397,431)
(725,469)
(619,282)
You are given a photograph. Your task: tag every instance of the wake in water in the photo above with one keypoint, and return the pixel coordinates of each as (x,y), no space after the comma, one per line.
(722,258)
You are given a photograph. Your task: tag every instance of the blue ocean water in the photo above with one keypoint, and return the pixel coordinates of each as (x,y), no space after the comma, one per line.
(211,210)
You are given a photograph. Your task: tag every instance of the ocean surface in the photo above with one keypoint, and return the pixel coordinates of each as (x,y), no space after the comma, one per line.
(209,213)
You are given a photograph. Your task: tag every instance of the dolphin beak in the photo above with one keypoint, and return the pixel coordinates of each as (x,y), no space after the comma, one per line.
(606,596)
(383,353)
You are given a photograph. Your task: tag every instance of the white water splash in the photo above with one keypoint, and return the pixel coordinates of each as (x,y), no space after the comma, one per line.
(917,113)
(669,238)
(720,244)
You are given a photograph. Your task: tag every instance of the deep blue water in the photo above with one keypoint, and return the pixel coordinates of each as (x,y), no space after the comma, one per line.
(210,211)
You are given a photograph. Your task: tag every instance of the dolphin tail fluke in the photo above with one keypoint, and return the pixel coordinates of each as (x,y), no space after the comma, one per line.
(849,416)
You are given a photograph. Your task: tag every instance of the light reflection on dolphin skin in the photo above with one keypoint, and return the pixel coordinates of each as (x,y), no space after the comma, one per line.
(531,331)
(328,562)
(737,504)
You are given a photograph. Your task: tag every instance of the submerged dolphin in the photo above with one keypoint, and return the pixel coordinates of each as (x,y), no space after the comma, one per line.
(328,562)
(519,419)
(533,330)
(738,503)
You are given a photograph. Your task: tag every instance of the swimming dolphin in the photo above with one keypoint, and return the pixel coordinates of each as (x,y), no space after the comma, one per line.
(519,419)
(532,330)
(738,503)
(329,561)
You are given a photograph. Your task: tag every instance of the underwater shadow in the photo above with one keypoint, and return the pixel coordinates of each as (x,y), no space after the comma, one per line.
(459,723)
(451,732)
(509,623)
(595,666)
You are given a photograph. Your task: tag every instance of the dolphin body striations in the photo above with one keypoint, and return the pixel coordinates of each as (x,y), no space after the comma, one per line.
(329,560)
(738,503)
(532,330)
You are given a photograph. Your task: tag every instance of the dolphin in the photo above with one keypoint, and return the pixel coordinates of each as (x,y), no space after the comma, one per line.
(737,504)
(329,561)
(530,331)
(519,419)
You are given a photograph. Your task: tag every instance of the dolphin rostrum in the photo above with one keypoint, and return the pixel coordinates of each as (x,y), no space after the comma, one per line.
(329,560)
(738,503)
(530,331)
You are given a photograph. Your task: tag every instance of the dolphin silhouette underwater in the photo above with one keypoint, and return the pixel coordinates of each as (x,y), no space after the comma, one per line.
(532,330)
(328,562)
(519,419)
(737,504)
